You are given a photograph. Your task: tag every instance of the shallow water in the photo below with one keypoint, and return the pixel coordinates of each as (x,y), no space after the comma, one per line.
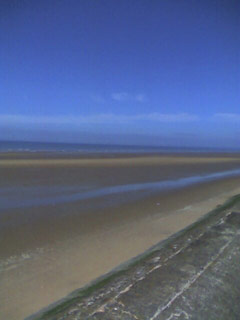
(20,197)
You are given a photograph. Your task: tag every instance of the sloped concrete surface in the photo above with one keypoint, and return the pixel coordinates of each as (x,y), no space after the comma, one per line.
(193,275)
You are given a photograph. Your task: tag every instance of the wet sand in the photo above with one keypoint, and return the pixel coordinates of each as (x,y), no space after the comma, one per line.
(48,251)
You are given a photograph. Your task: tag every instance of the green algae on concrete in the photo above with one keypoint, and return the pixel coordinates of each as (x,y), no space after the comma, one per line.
(194,274)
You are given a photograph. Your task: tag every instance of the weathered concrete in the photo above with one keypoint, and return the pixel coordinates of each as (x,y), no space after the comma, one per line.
(193,275)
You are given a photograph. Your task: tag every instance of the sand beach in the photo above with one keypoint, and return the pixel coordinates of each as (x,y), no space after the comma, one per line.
(66,219)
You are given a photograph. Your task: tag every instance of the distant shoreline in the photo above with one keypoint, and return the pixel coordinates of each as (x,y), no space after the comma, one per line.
(103,149)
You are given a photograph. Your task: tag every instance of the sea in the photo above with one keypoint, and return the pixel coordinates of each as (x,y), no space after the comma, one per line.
(30,146)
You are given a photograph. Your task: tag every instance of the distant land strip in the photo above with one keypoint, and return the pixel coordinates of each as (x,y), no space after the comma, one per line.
(152,160)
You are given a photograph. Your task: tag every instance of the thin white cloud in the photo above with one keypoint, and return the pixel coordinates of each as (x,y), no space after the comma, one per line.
(98,99)
(124,96)
(140,97)
(168,117)
(120,96)
(95,119)
(227,116)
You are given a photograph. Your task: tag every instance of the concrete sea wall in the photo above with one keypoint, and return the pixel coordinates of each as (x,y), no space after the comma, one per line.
(194,274)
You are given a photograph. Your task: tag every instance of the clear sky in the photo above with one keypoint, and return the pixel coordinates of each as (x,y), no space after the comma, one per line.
(157,72)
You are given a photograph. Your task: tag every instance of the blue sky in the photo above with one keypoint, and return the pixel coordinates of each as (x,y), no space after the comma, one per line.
(157,72)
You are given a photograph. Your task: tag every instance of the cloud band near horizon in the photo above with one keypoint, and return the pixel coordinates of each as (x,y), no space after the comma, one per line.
(115,118)
(11,119)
